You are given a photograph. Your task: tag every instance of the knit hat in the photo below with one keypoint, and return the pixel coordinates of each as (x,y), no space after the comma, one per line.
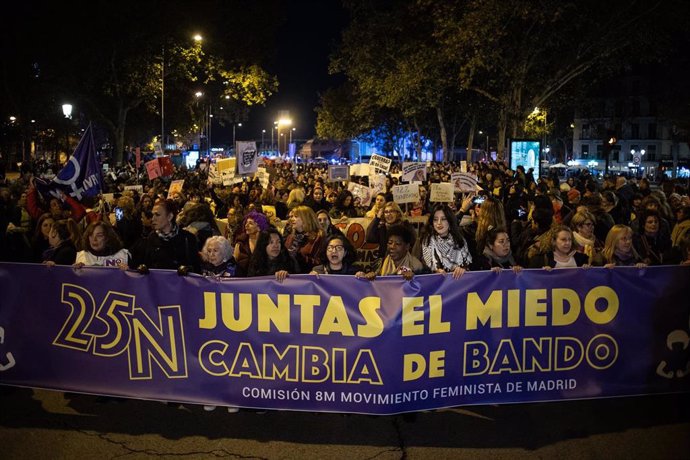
(260,219)
(573,195)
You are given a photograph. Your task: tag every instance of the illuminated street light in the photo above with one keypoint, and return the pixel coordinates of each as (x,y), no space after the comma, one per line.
(67,110)
(233,133)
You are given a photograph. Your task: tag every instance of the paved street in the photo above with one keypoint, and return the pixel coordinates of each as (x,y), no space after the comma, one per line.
(42,424)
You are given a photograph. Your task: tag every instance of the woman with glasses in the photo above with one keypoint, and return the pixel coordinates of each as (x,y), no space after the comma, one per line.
(585,241)
(377,231)
(339,257)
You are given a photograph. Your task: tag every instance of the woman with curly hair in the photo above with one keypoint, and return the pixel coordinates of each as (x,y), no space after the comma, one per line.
(102,248)
(216,257)
(245,244)
(561,253)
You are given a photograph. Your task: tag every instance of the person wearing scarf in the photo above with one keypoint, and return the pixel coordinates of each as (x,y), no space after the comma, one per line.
(167,246)
(399,261)
(618,250)
(444,250)
(497,254)
(584,239)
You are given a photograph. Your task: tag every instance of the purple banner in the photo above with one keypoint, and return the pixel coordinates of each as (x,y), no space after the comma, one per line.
(339,344)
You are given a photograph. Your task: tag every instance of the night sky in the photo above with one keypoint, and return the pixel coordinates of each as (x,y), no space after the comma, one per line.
(303,45)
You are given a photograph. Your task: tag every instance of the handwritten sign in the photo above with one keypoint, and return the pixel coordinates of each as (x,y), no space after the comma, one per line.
(408,193)
(442,193)
(380,162)
(226,168)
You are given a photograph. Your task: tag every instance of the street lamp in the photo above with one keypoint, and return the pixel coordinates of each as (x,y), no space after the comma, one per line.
(263,132)
(291,131)
(198,95)
(233,134)
(487,145)
(283,121)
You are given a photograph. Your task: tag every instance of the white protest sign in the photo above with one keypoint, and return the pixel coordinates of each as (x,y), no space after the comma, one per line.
(408,193)
(442,193)
(263,176)
(361,191)
(464,182)
(414,172)
(213,175)
(377,184)
(380,162)
(137,188)
(463,166)
(359,169)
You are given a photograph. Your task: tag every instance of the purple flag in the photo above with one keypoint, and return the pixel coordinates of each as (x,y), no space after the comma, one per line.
(81,176)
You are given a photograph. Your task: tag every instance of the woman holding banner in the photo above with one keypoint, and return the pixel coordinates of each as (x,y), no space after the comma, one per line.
(443,248)
(619,250)
(339,257)
(167,246)
(561,254)
(399,260)
(245,244)
(271,256)
(102,248)
(497,254)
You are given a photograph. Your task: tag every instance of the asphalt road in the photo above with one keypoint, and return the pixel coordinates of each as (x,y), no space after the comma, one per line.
(37,424)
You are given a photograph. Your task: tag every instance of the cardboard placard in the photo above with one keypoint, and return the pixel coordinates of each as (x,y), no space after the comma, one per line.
(408,193)
(442,193)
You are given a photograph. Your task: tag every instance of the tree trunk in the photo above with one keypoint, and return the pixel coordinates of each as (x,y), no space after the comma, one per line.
(119,134)
(418,140)
(470,139)
(501,138)
(444,134)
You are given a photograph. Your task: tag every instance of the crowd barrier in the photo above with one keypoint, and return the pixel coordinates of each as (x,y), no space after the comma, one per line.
(341,344)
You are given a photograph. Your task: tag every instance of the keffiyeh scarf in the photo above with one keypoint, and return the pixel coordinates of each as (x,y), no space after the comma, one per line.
(443,253)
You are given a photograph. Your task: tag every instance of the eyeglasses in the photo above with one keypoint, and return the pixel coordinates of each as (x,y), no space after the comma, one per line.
(588,224)
(389,211)
(335,248)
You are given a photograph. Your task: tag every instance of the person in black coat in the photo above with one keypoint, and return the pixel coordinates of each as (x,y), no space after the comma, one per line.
(62,250)
(167,246)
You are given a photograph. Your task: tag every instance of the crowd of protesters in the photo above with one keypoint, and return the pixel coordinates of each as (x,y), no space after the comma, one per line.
(513,220)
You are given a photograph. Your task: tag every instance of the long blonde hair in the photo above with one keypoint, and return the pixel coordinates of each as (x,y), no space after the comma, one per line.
(491,215)
(612,238)
(295,198)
